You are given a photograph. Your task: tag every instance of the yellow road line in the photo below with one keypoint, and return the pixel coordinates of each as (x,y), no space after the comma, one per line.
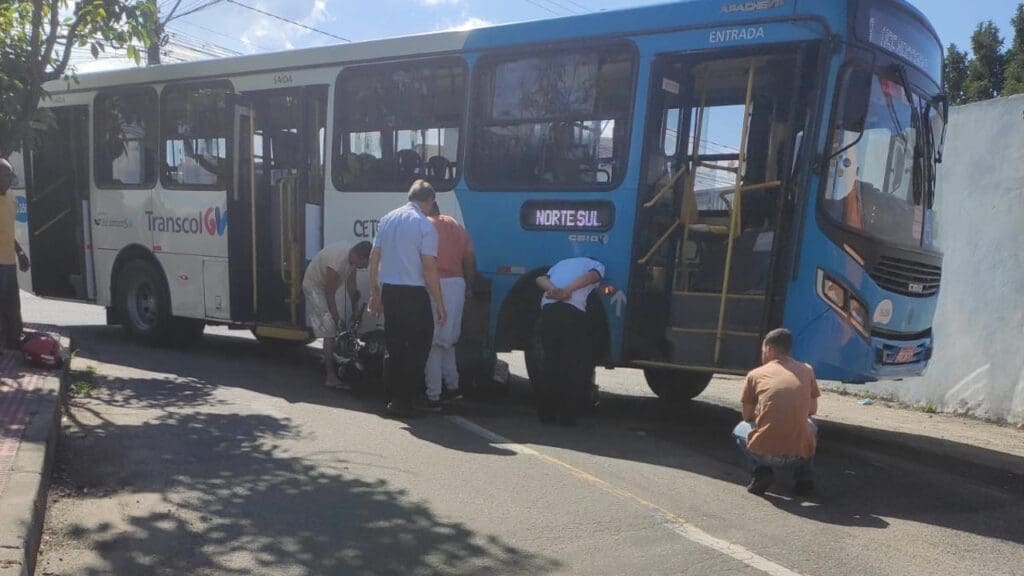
(672,521)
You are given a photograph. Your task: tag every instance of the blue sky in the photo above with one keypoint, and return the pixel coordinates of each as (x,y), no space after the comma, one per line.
(238,30)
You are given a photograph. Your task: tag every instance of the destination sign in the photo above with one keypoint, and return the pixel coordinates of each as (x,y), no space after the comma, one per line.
(568,216)
(898,32)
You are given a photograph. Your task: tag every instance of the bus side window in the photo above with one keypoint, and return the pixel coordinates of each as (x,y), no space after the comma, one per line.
(196,134)
(396,123)
(125,138)
(554,120)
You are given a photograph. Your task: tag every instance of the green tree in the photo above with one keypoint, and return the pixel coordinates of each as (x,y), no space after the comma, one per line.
(985,73)
(37,38)
(955,74)
(1014,73)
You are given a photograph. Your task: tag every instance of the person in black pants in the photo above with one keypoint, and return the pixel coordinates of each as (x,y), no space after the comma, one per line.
(567,363)
(403,280)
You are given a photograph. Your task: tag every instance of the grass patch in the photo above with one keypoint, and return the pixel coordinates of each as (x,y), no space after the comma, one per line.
(83,381)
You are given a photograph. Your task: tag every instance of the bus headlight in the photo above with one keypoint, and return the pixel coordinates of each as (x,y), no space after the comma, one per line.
(858,314)
(833,292)
(843,301)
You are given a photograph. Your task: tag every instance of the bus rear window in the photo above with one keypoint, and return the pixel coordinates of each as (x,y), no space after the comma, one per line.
(397,123)
(196,128)
(126,138)
(553,121)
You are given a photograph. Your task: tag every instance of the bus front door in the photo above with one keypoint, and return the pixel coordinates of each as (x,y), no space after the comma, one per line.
(57,202)
(721,136)
(278,189)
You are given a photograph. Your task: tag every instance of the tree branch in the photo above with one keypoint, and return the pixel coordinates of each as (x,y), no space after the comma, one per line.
(54,31)
(65,59)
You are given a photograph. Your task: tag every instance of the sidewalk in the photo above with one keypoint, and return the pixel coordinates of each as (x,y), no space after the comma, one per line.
(29,427)
(908,433)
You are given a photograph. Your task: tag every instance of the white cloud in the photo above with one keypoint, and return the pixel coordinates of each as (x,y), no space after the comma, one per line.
(262,32)
(471,23)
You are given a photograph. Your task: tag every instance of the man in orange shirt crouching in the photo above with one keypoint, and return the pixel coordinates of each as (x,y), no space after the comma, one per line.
(777,432)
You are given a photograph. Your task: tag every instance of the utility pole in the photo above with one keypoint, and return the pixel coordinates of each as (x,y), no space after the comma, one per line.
(157,40)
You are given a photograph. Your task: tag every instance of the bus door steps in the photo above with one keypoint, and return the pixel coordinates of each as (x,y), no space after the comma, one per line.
(740,351)
(699,310)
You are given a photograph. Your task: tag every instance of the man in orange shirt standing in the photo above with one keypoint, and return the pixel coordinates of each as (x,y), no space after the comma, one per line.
(779,399)
(456,265)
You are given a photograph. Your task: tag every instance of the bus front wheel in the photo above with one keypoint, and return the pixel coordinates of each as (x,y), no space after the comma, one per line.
(144,303)
(676,385)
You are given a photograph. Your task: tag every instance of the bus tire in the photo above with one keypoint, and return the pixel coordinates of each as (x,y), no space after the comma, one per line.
(144,303)
(676,385)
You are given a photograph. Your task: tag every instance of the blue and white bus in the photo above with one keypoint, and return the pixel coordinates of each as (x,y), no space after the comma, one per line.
(737,166)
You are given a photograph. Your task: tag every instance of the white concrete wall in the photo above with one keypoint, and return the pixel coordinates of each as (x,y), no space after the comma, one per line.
(978,367)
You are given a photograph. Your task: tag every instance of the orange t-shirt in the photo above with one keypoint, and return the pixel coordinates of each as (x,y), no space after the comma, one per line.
(782,390)
(452,246)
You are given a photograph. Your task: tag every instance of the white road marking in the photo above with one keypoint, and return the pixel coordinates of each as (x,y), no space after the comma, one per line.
(672,521)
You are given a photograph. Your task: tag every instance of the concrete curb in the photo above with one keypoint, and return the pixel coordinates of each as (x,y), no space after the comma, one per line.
(24,500)
(999,467)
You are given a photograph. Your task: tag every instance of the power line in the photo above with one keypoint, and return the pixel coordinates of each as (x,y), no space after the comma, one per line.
(542,7)
(221,34)
(283,19)
(581,6)
(197,8)
(561,6)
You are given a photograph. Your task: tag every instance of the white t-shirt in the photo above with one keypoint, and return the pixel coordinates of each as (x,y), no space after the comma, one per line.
(566,271)
(333,256)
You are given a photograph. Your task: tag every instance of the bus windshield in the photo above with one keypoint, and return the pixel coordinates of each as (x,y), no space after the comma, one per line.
(882,174)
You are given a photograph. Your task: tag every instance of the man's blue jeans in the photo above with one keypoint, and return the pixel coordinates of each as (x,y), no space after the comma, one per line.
(803,468)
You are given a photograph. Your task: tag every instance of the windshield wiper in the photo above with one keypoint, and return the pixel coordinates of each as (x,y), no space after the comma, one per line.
(924,181)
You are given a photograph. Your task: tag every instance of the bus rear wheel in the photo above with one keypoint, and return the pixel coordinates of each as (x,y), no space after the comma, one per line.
(676,385)
(144,303)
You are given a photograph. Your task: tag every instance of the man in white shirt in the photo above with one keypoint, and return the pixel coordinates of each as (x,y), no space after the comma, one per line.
(565,374)
(404,278)
(333,267)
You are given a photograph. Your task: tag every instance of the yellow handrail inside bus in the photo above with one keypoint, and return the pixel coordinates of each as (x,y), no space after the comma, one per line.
(734,210)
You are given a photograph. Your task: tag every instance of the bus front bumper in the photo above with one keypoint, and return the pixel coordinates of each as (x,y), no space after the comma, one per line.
(853,358)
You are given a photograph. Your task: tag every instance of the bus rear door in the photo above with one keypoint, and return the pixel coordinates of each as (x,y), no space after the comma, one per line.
(280,176)
(57,198)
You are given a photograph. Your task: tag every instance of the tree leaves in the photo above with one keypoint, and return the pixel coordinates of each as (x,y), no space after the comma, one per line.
(991,72)
(37,38)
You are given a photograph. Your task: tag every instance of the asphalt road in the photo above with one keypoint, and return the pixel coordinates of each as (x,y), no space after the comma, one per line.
(230,458)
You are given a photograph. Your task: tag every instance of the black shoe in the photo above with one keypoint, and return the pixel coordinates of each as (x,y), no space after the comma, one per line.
(567,421)
(398,410)
(803,488)
(547,419)
(761,480)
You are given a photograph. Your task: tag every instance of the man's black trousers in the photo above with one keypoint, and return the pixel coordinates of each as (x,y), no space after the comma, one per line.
(408,334)
(10,307)
(566,364)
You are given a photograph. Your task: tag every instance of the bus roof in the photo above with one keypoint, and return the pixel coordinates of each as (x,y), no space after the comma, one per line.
(622,22)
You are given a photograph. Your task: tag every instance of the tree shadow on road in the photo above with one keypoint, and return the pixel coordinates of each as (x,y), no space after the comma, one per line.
(224,497)
(859,486)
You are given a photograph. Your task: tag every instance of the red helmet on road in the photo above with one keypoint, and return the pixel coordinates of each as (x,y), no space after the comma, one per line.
(42,350)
